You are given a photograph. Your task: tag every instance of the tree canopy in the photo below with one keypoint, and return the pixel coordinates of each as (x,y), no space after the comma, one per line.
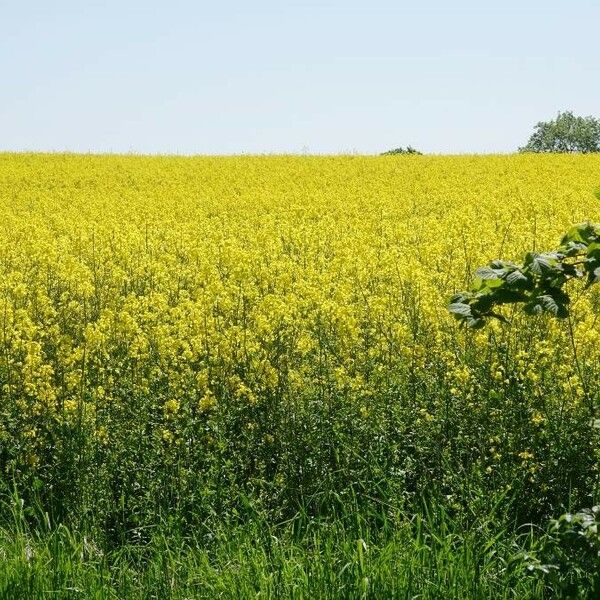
(400,150)
(566,133)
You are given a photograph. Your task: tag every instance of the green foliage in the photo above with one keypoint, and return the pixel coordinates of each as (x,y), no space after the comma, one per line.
(431,556)
(567,133)
(569,557)
(401,150)
(537,284)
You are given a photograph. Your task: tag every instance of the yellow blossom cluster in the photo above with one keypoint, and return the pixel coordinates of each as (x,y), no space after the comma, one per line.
(185,287)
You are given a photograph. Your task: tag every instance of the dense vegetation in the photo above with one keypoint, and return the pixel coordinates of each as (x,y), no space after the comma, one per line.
(401,150)
(566,133)
(237,377)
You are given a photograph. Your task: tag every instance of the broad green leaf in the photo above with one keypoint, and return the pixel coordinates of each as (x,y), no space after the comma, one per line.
(489,273)
(516,276)
(583,233)
(475,323)
(460,309)
(593,250)
(540,263)
(593,277)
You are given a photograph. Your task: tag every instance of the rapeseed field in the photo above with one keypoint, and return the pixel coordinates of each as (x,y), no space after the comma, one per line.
(184,338)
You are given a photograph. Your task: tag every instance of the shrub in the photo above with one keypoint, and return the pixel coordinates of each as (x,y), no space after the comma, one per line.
(401,150)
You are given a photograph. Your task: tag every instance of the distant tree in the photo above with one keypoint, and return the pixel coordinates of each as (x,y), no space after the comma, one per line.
(566,133)
(407,150)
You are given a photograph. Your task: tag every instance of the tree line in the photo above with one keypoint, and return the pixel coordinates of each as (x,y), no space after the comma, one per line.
(567,133)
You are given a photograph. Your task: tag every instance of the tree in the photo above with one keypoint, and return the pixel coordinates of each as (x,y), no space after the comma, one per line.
(567,133)
(400,150)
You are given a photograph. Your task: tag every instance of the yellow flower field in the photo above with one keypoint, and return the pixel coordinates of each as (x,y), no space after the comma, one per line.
(202,301)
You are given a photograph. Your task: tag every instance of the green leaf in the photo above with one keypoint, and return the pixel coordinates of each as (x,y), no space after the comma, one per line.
(516,276)
(554,302)
(489,273)
(508,296)
(540,263)
(573,248)
(460,309)
(593,250)
(477,323)
(593,277)
(501,264)
(461,297)
(486,285)
(533,308)
(583,233)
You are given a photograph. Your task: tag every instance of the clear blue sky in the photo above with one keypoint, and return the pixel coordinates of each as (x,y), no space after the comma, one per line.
(321,76)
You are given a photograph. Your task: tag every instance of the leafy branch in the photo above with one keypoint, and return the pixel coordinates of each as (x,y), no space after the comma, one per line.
(538,284)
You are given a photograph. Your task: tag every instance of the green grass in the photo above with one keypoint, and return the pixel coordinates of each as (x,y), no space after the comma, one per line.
(434,555)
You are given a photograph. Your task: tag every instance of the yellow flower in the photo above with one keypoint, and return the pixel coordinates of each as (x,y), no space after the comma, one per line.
(70,406)
(525,455)
(243,392)
(537,418)
(282,285)
(101,434)
(171,407)
(208,402)
(426,415)
(33,460)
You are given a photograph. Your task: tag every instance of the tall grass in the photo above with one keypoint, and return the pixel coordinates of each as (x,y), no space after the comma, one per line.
(433,555)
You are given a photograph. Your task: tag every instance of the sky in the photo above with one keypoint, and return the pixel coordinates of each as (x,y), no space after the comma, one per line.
(267,76)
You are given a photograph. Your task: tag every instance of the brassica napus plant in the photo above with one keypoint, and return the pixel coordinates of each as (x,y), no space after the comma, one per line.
(176,333)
